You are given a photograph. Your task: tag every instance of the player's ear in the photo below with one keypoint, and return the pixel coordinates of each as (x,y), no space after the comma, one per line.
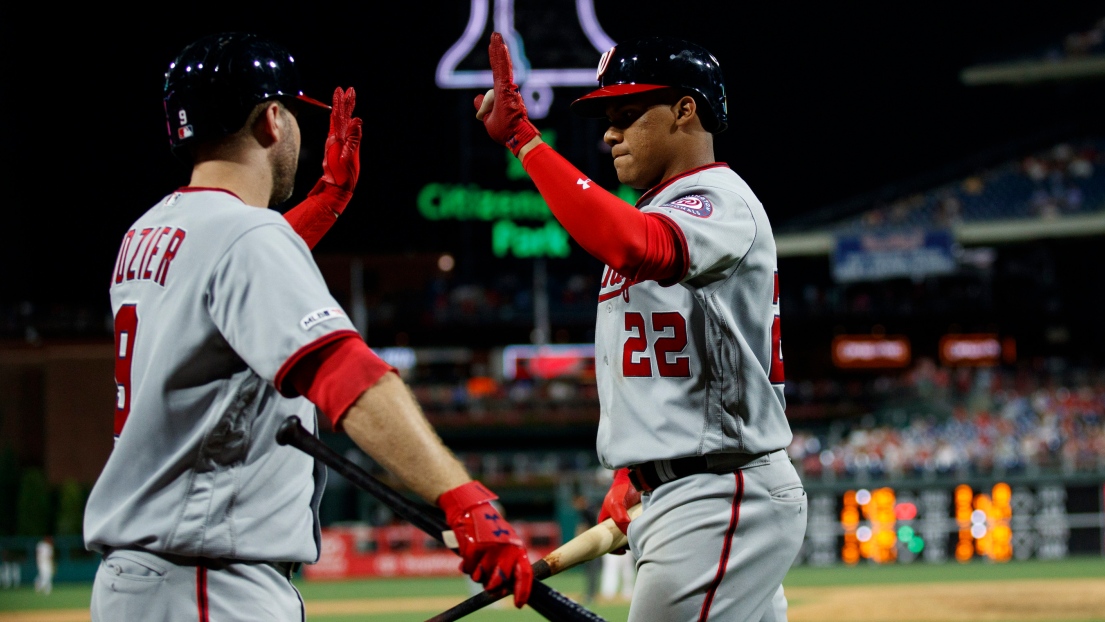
(271,124)
(686,110)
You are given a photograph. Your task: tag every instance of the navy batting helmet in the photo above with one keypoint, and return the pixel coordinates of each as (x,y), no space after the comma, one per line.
(653,63)
(216,81)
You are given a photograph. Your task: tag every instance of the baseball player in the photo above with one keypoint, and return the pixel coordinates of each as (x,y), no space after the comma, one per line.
(687,344)
(224,327)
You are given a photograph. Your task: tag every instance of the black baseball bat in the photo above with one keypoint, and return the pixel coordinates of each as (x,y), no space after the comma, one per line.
(552,605)
(479,601)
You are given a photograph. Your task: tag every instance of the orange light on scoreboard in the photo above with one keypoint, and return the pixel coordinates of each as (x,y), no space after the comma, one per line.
(1001,547)
(874,537)
(980,527)
(983,521)
(964,548)
(882,525)
(849,520)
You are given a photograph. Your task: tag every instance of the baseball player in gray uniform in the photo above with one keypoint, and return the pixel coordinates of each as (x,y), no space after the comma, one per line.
(687,340)
(223,327)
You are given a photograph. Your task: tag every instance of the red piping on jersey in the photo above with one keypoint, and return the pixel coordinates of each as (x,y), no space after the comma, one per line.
(278,381)
(205,189)
(734,518)
(665,184)
(201,593)
(623,291)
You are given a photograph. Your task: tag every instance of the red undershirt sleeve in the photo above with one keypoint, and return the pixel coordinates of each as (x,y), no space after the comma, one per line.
(638,245)
(334,376)
(312,218)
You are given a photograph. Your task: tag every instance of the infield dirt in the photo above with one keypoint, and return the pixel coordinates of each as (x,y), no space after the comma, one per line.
(975,601)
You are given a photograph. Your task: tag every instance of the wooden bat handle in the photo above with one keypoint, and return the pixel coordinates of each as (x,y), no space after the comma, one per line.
(595,542)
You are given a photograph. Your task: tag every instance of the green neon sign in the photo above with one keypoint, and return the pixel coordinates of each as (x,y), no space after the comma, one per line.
(548,240)
(470,202)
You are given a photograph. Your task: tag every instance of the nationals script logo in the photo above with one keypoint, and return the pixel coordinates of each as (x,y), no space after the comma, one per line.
(694,205)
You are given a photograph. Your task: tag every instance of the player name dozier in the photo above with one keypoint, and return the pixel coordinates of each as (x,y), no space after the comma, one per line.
(148,258)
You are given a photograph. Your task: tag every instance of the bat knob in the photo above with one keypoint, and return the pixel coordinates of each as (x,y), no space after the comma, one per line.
(288,430)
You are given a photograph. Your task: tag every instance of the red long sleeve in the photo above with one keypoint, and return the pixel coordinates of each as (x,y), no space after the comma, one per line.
(335,375)
(312,218)
(638,245)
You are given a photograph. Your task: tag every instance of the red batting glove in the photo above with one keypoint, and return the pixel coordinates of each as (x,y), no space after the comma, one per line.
(491,552)
(621,496)
(341,165)
(507,122)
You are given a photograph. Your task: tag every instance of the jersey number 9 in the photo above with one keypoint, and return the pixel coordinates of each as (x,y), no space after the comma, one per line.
(126,328)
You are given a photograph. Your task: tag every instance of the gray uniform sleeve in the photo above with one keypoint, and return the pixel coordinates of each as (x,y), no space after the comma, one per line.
(716,226)
(270,302)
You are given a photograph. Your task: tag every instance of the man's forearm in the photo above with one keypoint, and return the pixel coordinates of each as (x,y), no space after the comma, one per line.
(387,423)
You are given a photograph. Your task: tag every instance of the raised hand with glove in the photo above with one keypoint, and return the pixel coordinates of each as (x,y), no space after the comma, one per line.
(341,164)
(502,110)
(492,553)
(621,496)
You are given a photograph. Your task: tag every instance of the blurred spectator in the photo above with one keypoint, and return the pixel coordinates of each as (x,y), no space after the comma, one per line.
(10,572)
(44,563)
(586,518)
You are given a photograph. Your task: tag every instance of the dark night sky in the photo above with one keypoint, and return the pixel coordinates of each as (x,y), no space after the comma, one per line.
(827,102)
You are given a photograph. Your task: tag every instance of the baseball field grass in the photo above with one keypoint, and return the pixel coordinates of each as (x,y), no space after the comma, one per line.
(1071,590)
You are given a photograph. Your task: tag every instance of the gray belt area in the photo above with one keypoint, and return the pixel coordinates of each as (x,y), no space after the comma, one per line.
(286,569)
(649,475)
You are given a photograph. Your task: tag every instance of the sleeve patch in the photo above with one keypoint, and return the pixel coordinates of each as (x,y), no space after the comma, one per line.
(693,204)
(315,318)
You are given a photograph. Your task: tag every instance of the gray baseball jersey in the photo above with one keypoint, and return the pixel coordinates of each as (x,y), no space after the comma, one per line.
(695,367)
(214,301)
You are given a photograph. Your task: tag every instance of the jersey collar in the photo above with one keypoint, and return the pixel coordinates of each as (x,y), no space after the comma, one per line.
(656,189)
(203,189)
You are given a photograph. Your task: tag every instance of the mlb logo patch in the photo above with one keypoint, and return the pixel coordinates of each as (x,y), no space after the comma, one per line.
(693,204)
(184,132)
(315,318)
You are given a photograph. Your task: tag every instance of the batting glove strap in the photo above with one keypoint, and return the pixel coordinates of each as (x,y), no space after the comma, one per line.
(458,501)
(335,198)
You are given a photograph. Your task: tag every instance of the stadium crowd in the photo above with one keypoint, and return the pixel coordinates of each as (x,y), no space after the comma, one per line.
(1066,179)
(966,421)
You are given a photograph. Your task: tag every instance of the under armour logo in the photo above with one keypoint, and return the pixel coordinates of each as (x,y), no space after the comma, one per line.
(499,532)
(586,183)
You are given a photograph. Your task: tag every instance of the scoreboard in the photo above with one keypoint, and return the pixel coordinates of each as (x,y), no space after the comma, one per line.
(995,521)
